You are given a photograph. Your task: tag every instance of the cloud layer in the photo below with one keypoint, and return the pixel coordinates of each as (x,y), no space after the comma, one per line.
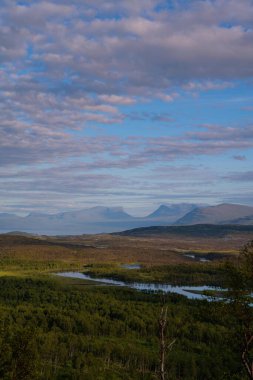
(75,76)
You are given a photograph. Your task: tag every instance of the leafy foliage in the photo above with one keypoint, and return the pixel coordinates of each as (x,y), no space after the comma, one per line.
(50,330)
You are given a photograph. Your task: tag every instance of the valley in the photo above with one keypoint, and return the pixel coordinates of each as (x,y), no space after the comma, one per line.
(69,327)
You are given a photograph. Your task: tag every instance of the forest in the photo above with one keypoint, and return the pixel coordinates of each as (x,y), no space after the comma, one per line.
(57,328)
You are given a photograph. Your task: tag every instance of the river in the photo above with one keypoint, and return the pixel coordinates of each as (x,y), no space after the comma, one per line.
(187,291)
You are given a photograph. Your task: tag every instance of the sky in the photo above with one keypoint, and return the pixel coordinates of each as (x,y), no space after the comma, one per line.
(125,103)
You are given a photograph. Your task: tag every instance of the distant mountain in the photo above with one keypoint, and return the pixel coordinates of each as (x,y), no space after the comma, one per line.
(221,214)
(92,220)
(97,213)
(10,222)
(172,212)
(113,219)
(20,233)
(6,216)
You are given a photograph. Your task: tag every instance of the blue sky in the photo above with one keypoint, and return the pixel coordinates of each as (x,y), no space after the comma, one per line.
(125,103)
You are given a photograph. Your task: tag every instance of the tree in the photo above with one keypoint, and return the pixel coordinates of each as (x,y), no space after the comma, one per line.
(164,346)
(24,356)
(240,288)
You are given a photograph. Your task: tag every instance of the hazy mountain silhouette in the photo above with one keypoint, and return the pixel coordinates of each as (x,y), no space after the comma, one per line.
(172,212)
(113,219)
(221,214)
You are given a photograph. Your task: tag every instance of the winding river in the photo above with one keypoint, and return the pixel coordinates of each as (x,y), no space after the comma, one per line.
(187,291)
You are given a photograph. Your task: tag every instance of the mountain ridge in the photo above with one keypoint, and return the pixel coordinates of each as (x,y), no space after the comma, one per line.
(224,213)
(102,219)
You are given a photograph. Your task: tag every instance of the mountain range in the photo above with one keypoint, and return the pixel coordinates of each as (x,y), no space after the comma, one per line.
(221,214)
(113,219)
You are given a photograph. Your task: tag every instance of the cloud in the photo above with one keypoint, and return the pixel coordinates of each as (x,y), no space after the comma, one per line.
(163,117)
(167,97)
(67,67)
(57,58)
(247,108)
(207,86)
(236,136)
(36,14)
(239,157)
(117,99)
(22,143)
(134,52)
(240,177)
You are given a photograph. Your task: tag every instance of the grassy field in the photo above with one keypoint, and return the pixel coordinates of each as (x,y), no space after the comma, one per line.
(162,259)
(16,251)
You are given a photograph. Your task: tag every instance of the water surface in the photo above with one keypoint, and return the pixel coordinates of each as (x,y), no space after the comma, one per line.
(197,258)
(187,291)
(131,266)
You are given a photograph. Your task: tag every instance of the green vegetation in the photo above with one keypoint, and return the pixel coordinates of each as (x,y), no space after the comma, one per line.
(183,274)
(196,230)
(54,328)
(240,285)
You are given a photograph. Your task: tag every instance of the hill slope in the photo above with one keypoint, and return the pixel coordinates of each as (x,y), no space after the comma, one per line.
(172,212)
(197,230)
(220,214)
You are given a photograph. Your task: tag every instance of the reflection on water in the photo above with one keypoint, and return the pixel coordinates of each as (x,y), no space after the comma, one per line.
(187,291)
(197,258)
(131,266)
